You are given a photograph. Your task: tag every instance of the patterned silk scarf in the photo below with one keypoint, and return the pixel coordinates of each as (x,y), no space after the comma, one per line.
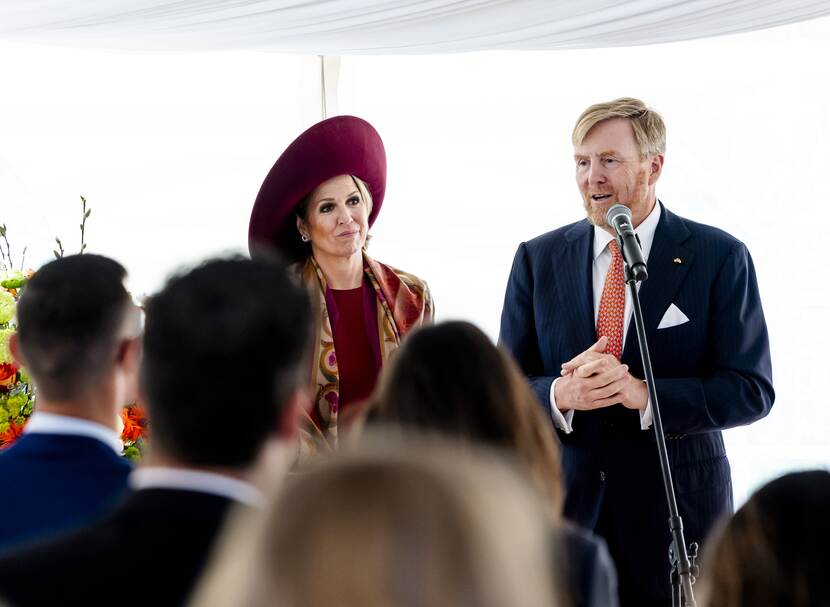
(404,302)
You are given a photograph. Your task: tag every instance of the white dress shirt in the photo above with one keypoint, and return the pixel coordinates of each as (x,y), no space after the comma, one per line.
(186,479)
(52,423)
(602,262)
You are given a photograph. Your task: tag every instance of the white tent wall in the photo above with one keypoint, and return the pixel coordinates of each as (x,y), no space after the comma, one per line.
(480,160)
(170,150)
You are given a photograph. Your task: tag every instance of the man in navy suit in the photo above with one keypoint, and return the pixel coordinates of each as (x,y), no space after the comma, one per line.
(567,320)
(78,336)
(223,371)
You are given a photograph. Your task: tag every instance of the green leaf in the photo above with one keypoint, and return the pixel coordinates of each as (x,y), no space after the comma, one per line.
(131,453)
(87,214)
(7,304)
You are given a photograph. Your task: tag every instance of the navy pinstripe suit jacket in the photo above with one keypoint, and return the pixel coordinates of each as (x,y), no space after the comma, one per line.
(711,373)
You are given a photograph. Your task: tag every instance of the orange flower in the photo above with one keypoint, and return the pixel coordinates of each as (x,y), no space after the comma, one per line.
(10,435)
(8,374)
(135,423)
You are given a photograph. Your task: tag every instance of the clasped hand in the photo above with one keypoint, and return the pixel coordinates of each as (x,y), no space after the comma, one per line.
(594,379)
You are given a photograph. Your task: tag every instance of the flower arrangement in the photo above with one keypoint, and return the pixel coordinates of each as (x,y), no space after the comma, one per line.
(17,395)
(134,432)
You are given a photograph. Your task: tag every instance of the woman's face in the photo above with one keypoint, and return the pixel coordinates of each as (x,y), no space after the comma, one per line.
(337,218)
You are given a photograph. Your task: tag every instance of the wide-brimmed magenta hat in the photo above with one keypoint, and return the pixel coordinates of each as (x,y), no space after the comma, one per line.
(343,145)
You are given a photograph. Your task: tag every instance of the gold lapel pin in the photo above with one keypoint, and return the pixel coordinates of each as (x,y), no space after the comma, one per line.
(678,260)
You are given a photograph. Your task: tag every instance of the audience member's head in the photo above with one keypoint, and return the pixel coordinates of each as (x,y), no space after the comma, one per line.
(224,353)
(401,524)
(450,378)
(78,333)
(773,552)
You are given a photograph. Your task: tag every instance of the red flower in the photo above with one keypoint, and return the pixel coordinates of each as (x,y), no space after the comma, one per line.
(8,374)
(10,435)
(135,423)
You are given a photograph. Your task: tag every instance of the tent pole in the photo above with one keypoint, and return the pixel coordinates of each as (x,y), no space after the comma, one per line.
(329,77)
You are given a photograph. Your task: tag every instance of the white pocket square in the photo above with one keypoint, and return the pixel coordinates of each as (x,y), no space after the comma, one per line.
(672,318)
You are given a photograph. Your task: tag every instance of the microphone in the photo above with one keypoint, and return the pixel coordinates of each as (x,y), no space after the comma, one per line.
(619,218)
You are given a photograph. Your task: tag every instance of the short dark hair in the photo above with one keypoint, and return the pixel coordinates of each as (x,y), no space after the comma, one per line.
(68,319)
(224,347)
(449,378)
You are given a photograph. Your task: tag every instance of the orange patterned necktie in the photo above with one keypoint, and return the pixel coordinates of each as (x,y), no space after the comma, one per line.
(612,303)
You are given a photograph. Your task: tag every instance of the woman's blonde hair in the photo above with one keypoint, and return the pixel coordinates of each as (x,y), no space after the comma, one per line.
(649,128)
(398,523)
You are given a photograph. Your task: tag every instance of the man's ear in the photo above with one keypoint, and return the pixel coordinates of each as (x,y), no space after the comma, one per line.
(656,168)
(128,359)
(129,352)
(294,412)
(14,348)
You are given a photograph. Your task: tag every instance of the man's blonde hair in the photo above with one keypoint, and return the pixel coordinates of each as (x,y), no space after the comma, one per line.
(649,128)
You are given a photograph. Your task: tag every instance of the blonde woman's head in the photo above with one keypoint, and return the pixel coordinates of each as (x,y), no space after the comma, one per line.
(396,524)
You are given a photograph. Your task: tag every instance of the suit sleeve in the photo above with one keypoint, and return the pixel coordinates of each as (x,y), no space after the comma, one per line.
(738,389)
(518,328)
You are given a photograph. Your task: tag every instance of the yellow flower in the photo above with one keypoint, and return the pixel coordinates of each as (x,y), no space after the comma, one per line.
(5,355)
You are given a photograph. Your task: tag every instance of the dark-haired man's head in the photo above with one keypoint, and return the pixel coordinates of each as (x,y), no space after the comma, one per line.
(225,356)
(78,337)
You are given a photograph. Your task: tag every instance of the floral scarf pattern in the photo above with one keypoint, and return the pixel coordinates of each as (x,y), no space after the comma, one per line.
(404,303)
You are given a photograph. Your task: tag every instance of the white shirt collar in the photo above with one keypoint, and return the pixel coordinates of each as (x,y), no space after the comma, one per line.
(52,423)
(645,231)
(158,477)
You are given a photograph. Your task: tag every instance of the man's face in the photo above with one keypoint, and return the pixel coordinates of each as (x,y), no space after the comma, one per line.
(610,170)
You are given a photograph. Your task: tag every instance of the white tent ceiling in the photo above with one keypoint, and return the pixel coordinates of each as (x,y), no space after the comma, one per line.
(387,26)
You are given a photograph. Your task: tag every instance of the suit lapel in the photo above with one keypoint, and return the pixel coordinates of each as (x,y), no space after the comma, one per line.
(575,290)
(665,275)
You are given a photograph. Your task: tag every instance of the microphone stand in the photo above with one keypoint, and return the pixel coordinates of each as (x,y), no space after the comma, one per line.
(683,570)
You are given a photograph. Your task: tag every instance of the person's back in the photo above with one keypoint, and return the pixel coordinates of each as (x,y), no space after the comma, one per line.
(246,317)
(56,482)
(78,338)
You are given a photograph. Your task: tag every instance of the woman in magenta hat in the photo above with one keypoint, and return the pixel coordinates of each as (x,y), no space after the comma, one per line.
(316,207)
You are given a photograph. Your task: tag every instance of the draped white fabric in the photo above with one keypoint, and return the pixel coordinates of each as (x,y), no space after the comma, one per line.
(387,26)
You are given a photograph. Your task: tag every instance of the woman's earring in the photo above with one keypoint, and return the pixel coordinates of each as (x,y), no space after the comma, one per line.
(304,238)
